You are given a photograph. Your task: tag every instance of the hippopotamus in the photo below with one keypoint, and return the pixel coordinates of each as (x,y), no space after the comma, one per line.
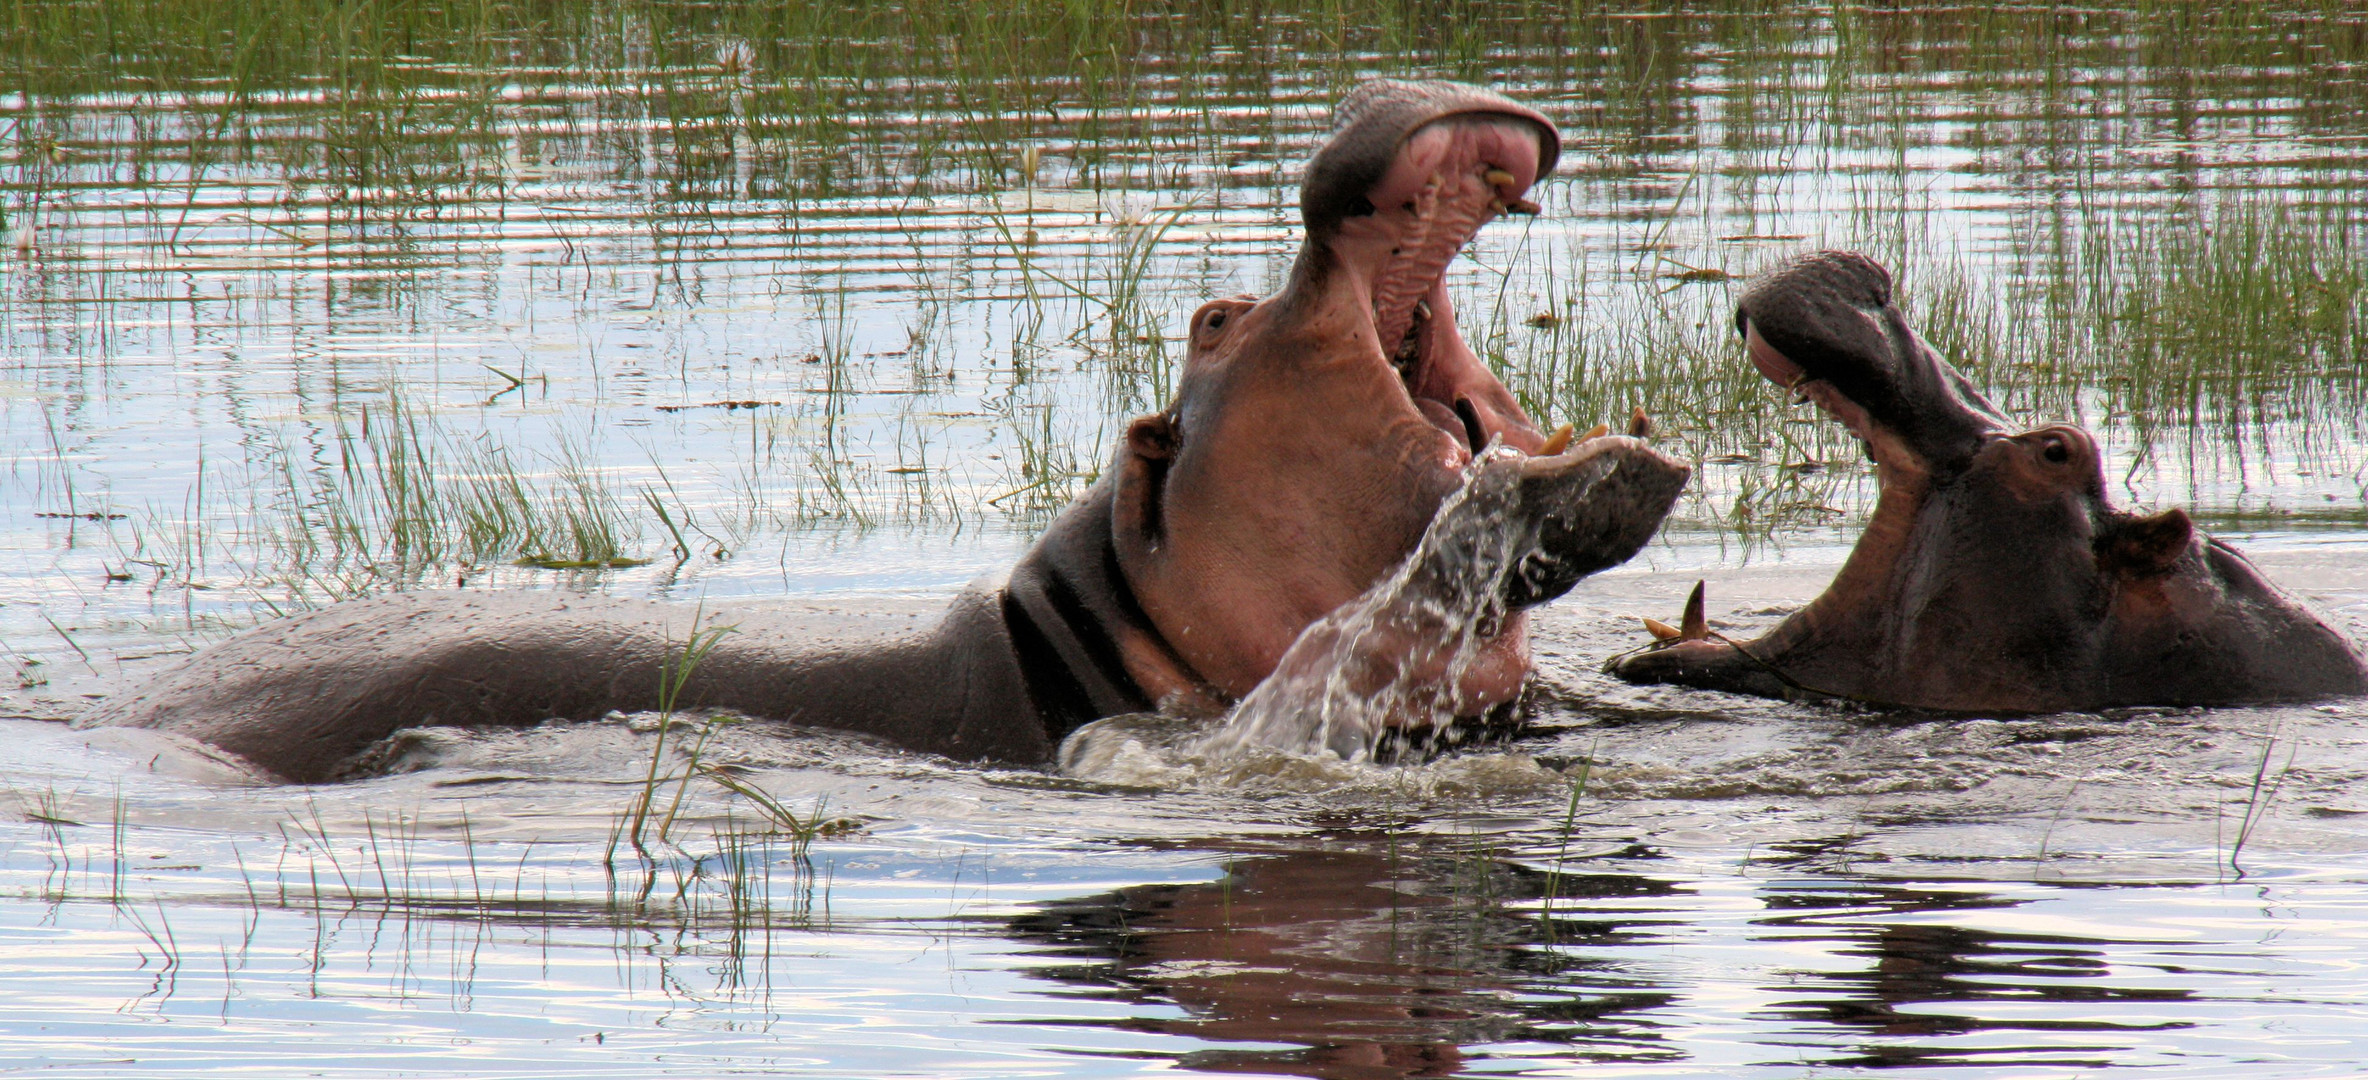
(1994,574)
(1311,438)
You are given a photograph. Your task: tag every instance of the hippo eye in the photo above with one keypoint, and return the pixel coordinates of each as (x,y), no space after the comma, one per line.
(2056,451)
(1208,324)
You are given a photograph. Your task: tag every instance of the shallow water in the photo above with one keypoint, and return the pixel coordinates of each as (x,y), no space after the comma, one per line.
(1740,886)
(581,262)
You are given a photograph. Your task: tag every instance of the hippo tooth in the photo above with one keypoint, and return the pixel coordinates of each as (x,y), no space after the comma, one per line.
(1497,178)
(1522,206)
(1639,424)
(1410,346)
(1692,626)
(1596,432)
(1556,443)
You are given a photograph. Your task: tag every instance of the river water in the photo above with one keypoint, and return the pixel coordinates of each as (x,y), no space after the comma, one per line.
(835,315)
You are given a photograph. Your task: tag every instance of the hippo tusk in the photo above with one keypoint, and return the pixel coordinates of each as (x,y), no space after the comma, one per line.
(1639,424)
(1556,443)
(1691,625)
(1596,432)
(1497,178)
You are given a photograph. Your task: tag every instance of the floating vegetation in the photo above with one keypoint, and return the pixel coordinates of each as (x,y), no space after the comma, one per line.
(547,562)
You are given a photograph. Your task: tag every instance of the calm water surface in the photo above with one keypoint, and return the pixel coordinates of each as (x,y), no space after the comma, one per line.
(837,310)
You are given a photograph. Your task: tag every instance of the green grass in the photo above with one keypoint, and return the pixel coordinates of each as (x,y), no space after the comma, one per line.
(2218,308)
(675,673)
(408,499)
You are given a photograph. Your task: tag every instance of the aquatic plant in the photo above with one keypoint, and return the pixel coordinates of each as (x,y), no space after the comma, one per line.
(2259,795)
(674,673)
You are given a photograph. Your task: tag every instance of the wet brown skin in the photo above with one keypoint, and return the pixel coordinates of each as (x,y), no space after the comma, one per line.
(1994,574)
(1299,462)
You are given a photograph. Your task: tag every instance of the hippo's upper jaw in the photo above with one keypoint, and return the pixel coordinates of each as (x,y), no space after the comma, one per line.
(1410,177)
(1993,575)
(1314,433)
(1824,327)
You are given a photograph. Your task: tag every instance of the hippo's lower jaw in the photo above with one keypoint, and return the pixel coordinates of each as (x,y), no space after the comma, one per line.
(1993,575)
(1414,653)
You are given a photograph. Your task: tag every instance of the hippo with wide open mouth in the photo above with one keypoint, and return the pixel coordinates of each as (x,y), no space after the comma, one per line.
(1994,575)
(1313,437)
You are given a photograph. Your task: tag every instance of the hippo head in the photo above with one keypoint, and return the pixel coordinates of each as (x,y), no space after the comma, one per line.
(1994,574)
(1315,433)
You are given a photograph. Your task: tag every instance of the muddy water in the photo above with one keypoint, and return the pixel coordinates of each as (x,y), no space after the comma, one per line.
(859,354)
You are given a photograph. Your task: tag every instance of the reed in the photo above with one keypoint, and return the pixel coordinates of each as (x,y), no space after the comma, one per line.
(2261,793)
(675,672)
(1019,207)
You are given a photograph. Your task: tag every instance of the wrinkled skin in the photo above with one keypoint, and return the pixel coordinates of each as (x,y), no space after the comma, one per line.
(1300,461)
(1994,575)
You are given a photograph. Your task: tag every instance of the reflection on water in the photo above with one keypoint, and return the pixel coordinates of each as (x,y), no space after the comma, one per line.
(1432,945)
(1419,964)
(1364,964)
(851,297)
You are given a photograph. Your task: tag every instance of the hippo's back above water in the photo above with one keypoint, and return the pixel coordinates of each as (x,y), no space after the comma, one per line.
(302,696)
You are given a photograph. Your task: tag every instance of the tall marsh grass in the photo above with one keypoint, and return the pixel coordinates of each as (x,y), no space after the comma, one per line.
(1076,170)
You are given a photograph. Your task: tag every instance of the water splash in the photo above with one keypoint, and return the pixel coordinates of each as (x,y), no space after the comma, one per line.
(1394,658)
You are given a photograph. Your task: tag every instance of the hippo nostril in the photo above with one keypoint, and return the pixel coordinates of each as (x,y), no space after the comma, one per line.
(1473,432)
(1216,319)
(2056,451)
(1361,207)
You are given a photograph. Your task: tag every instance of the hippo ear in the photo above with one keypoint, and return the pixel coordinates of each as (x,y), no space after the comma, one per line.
(2144,546)
(1142,483)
